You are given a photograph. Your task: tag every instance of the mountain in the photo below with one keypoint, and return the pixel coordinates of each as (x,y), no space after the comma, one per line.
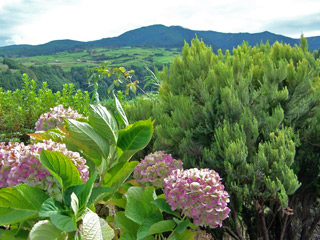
(157,36)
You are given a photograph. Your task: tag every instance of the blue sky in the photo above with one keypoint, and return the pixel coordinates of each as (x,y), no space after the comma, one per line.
(41,21)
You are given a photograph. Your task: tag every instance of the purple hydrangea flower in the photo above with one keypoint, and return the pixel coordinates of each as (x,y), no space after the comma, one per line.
(200,194)
(56,117)
(20,163)
(155,167)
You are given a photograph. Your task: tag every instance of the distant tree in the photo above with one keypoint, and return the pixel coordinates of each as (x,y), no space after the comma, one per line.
(303,43)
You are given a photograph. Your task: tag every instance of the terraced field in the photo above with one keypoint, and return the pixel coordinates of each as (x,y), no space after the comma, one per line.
(124,56)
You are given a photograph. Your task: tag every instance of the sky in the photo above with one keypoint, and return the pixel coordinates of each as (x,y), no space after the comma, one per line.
(40,21)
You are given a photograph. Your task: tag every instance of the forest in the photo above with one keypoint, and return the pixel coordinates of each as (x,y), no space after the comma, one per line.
(222,145)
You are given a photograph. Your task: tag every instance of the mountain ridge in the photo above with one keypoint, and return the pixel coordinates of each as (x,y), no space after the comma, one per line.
(157,36)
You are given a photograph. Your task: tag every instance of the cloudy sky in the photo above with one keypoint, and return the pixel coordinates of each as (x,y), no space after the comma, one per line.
(41,21)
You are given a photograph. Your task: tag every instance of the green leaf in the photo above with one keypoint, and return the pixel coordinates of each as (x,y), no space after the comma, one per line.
(163,205)
(74,203)
(120,111)
(50,207)
(187,234)
(20,203)
(149,194)
(144,228)
(126,224)
(99,193)
(95,228)
(134,138)
(53,134)
(134,192)
(46,230)
(63,222)
(84,136)
(118,174)
(119,202)
(83,192)
(12,234)
(103,122)
(138,210)
(61,167)
(161,227)
(182,226)
(127,236)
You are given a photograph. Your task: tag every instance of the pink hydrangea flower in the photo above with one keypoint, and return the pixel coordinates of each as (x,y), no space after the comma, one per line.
(20,163)
(200,194)
(56,117)
(155,167)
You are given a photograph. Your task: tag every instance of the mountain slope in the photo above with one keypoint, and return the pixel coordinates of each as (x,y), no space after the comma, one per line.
(157,36)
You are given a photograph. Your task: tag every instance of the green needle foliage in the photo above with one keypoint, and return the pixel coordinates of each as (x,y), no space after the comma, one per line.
(253,116)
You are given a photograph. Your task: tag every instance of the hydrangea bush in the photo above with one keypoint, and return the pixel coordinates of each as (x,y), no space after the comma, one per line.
(200,194)
(56,117)
(21,164)
(155,167)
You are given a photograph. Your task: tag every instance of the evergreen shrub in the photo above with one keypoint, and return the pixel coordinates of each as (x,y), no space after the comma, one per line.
(252,116)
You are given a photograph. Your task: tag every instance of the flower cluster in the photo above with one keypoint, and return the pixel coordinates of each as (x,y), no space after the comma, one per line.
(200,194)
(20,163)
(155,167)
(56,117)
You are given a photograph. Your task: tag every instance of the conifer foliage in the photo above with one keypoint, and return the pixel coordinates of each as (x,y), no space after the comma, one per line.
(252,116)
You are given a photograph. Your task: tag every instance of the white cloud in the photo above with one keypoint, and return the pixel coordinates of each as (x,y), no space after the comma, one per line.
(37,21)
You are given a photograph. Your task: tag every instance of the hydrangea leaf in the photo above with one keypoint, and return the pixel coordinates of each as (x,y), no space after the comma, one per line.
(161,226)
(84,136)
(134,138)
(61,167)
(83,193)
(20,203)
(123,117)
(46,230)
(138,210)
(119,174)
(103,122)
(95,228)
(126,224)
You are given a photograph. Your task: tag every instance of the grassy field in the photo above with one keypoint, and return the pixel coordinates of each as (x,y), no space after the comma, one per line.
(124,56)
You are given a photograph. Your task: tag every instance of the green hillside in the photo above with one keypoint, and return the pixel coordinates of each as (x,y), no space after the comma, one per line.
(158,36)
(72,66)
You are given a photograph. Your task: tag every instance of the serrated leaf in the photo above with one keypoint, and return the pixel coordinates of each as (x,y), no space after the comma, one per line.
(118,174)
(144,228)
(46,230)
(99,193)
(50,207)
(53,134)
(20,203)
(63,222)
(83,192)
(134,192)
(104,123)
(134,138)
(138,210)
(163,205)
(120,111)
(74,203)
(61,167)
(12,234)
(95,228)
(127,236)
(161,227)
(126,224)
(85,137)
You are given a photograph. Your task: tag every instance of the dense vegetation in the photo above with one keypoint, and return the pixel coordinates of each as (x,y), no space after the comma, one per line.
(71,67)
(252,116)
